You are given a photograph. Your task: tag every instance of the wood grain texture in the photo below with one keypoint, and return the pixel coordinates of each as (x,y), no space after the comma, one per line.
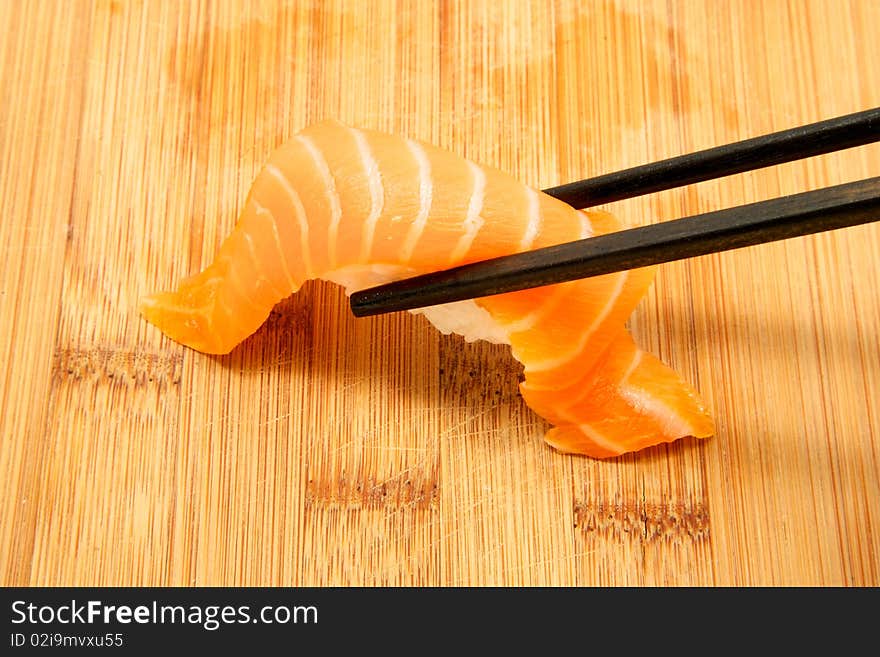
(329,450)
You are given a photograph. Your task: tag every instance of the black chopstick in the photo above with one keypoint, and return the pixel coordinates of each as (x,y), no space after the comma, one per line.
(798,143)
(776,219)
(825,209)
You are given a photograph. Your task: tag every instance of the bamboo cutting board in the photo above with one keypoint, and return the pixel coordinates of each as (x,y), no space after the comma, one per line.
(329,450)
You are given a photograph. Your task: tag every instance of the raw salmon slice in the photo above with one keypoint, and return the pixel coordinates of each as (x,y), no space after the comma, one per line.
(361,208)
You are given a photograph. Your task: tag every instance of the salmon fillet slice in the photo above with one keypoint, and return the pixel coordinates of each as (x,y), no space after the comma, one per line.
(360,208)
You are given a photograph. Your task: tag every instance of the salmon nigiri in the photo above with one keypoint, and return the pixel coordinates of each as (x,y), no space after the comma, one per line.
(361,208)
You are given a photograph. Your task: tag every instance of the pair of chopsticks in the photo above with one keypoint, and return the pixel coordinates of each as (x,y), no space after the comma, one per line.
(811,212)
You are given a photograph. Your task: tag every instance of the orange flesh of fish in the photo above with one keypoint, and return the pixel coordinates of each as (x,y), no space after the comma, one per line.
(364,207)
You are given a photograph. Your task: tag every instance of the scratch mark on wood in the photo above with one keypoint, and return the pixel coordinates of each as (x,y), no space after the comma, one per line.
(123,366)
(647,522)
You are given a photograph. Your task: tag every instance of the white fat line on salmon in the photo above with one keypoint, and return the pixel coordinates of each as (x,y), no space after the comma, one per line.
(205,311)
(586,225)
(219,302)
(258,266)
(599,439)
(332,196)
(473,222)
(552,363)
(263,211)
(225,307)
(426,190)
(229,281)
(300,213)
(377,193)
(549,303)
(634,363)
(564,410)
(534,225)
(238,285)
(672,424)
(552,301)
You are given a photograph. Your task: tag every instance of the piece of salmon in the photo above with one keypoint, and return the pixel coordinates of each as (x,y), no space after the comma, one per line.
(361,208)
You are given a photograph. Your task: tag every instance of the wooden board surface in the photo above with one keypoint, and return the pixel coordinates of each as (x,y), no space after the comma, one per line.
(329,450)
